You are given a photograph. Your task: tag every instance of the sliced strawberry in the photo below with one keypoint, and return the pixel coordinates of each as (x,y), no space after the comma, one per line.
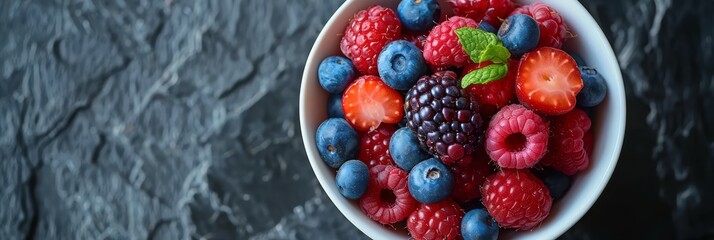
(368,101)
(548,81)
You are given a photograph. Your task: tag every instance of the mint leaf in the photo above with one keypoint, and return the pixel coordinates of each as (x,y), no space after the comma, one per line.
(485,75)
(495,53)
(474,41)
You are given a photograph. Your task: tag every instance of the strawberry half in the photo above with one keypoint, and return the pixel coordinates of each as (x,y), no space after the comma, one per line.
(548,81)
(368,102)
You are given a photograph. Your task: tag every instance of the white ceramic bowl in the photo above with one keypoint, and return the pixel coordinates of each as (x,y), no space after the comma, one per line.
(608,125)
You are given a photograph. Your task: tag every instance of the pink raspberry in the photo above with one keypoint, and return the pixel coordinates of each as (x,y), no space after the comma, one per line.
(387,199)
(443,48)
(568,148)
(553,30)
(516,137)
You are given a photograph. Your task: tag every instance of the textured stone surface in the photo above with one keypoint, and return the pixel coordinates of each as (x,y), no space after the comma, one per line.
(137,119)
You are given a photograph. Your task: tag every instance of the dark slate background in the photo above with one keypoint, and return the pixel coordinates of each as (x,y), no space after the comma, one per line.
(148,119)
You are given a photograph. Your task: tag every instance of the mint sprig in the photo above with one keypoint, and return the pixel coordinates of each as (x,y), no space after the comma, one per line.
(483,46)
(495,53)
(485,75)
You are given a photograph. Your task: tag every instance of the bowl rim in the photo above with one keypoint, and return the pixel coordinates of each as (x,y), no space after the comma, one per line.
(574,216)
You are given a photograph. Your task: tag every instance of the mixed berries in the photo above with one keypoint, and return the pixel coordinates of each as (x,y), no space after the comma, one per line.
(457,127)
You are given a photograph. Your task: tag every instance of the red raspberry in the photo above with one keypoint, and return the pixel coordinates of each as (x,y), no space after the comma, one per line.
(374,146)
(588,142)
(440,220)
(469,175)
(553,30)
(443,48)
(367,33)
(566,147)
(387,199)
(492,11)
(498,93)
(435,69)
(417,38)
(516,137)
(516,198)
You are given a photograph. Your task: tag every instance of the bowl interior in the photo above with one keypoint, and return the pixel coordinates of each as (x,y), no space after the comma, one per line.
(608,124)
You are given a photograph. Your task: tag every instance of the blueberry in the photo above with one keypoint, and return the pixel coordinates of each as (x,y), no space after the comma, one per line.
(352,179)
(334,106)
(335,73)
(487,27)
(404,148)
(477,224)
(578,60)
(557,182)
(430,181)
(418,15)
(336,141)
(400,64)
(519,33)
(594,88)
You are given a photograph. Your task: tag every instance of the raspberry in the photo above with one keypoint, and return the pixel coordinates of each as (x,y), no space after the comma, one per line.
(387,199)
(553,30)
(435,69)
(588,142)
(491,11)
(367,33)
(566,147)
(469,175)
(417,38)
(446,122)
(498,93)
(442,46)
(374,146)
(516,137)
(441,220)
(516,198)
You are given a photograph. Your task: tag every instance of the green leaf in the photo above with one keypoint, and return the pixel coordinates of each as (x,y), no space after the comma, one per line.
(475,41)
(485,75)
(495,53)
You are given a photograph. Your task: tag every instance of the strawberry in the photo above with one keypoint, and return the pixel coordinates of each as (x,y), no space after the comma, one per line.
(368,102)
(497,93)
(548,81)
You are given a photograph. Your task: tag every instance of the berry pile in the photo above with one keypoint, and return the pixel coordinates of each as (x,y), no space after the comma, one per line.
(431,116)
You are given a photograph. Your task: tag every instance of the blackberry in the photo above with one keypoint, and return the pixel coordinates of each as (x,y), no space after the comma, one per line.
(446,122)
